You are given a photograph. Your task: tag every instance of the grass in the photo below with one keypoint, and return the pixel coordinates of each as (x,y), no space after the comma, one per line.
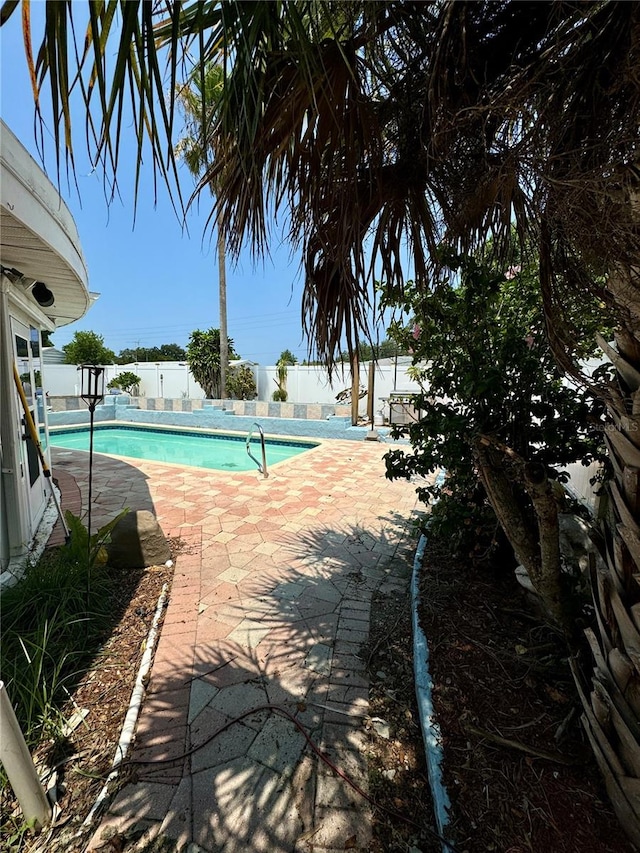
(53,621)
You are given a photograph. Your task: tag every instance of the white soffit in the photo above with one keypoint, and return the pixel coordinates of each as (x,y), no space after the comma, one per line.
(38,236)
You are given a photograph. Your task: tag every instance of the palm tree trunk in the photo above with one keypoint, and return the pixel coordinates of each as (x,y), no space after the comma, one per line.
(222,289)
(371,390)
(609,685)
(355,387)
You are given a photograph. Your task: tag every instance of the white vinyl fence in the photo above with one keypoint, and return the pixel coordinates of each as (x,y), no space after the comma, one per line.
(305,384)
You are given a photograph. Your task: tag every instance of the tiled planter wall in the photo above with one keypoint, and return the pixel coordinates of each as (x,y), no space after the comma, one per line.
(236,419)
(248,408)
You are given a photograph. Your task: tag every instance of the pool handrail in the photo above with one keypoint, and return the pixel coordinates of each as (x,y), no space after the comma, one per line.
(262,468)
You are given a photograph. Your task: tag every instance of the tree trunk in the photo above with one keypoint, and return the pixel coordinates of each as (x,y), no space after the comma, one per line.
(536,546)
(222,289)
(548,580)
(505,504)
(355,388)
(371,391)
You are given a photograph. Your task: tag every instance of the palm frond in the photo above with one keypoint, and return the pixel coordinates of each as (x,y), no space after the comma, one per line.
(370,128)
(133,84)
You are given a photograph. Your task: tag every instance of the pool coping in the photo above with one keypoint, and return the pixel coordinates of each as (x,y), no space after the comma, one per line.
(309,445)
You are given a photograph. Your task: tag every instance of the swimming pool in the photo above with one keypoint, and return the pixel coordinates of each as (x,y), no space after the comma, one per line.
(219,451)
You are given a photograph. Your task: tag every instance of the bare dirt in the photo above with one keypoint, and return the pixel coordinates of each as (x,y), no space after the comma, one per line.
(517,766)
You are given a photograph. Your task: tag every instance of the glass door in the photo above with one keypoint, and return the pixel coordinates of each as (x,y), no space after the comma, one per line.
(30,460)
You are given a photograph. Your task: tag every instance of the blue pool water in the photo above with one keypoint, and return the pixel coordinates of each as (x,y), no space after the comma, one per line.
(201,450)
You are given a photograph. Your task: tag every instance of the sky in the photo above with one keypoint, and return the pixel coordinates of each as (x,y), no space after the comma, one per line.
(157,281)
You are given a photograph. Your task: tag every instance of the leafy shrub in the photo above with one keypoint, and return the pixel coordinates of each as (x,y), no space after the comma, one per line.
(88,348)
(53,619)
(127,381)
(241,383)
(487,371)
(203,356)
(287,359)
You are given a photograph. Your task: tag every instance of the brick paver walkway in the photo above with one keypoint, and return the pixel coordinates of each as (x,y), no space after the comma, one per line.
(269,606)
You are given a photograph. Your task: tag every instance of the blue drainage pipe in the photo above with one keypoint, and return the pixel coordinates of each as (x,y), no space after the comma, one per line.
(424,685)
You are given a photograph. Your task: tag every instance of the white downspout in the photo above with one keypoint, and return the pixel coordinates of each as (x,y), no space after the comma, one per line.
(16,760)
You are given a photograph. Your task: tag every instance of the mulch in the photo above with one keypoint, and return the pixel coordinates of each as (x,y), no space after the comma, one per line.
(82,760)
(517,766)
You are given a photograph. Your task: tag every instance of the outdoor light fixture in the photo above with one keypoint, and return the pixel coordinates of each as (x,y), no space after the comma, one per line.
(92,392)
(39,290)
(42,294)
(91,384)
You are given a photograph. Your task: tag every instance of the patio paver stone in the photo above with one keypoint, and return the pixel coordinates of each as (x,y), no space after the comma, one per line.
(270,605)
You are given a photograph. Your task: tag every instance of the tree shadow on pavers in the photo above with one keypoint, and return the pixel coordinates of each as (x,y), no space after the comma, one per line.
(312,610)
(345,556)
(220,765)
(325,597)
(368,547)
(222,758)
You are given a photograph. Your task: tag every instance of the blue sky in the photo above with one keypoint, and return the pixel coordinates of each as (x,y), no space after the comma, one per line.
(157,282)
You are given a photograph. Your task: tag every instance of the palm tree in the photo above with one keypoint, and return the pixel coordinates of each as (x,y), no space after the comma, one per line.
(196,99)
(374,127)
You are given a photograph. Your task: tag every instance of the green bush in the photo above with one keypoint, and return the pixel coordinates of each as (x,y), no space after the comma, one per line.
(127,381)
(241,383)
(203,355)
(287,359)
(87,348)
(486,369)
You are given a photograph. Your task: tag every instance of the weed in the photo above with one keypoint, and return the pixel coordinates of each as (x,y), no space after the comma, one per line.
(16,833)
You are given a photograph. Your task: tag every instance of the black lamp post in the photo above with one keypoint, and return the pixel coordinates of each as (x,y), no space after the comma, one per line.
(92,392)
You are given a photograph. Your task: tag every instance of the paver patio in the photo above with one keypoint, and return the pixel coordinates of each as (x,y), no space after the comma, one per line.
(269,607)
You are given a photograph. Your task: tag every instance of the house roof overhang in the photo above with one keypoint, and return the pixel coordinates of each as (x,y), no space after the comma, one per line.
(39,240)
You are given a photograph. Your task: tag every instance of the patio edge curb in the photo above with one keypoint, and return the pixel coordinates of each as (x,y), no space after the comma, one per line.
(133,710)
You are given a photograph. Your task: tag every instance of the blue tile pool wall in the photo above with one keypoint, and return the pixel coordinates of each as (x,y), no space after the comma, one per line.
(79,416)
(213,418)
(221,420)
(307,420)
(250,408)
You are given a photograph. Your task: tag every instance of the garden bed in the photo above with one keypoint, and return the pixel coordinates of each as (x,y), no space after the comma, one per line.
(517,767)
(77,765)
